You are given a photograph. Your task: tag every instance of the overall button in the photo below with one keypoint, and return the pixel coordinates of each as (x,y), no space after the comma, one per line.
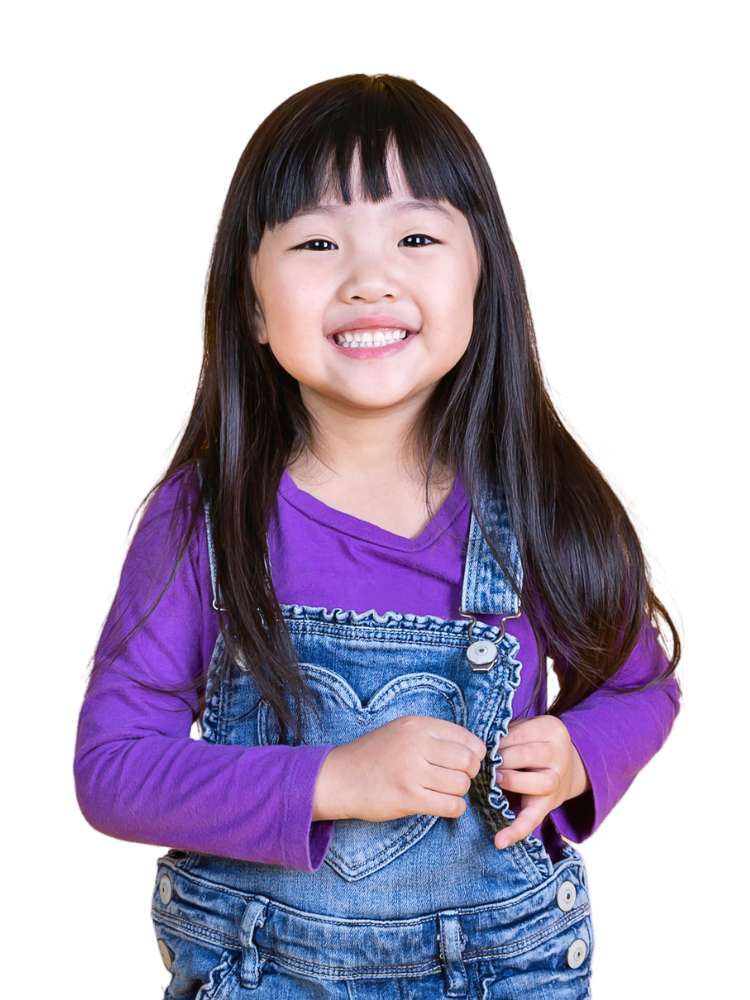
(165,889)
(576,953)
(481,655)
(166,955)
(566,896)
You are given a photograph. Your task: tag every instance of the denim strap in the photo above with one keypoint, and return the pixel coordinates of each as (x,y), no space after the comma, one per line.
(486,588)
(254,916)
(452,943)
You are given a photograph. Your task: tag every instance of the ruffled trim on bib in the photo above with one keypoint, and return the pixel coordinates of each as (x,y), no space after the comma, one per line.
(495,796)
(391,619)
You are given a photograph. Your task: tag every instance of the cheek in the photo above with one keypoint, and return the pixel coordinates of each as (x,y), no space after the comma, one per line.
(465,306)
(294,311)
(457,277)
(465,301)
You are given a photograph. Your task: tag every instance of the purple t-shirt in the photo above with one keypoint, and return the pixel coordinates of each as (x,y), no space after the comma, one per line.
(139,774)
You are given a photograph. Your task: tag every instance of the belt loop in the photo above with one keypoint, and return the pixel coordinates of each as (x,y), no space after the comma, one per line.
(254,916)
(452,943)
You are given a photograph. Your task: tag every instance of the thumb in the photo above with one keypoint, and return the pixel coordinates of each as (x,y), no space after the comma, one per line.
(528,819)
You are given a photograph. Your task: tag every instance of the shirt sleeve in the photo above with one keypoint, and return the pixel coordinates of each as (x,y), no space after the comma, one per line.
(139,774)
(617,734)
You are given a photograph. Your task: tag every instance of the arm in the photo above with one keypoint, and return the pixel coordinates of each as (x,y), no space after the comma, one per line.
(616,735)
(139,775)
(577,767)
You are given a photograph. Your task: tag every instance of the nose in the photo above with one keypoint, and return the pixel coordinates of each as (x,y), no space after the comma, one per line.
(370,278)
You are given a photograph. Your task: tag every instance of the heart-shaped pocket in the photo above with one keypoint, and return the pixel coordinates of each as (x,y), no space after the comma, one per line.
(337,715)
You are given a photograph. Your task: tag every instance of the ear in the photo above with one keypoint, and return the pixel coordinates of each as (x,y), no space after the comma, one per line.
(260,324)
(259,320)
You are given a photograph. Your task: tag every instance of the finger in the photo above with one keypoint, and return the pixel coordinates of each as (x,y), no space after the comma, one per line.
(456,756)
(530,757)
(452,733)
(432,803)
(534,748)
(445,780)
(542,728)
(525,823)
(543,782)
(524,731)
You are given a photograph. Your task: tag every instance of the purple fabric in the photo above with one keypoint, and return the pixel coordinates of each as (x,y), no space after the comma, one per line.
(139,775)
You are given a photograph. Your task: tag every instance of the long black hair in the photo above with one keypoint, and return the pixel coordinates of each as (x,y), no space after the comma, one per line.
(586,587)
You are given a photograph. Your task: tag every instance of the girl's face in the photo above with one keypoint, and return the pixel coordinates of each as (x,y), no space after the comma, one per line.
(369,304)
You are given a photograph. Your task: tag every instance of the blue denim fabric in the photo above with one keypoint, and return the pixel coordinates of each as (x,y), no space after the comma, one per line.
(420,906)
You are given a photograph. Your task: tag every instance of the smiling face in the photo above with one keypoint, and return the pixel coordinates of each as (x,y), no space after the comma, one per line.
(369,304)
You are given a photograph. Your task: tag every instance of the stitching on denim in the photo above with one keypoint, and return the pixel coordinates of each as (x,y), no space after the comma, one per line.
(560,875)
(517,947)
(341,972)
(366,867)
(191,929)
(417,638)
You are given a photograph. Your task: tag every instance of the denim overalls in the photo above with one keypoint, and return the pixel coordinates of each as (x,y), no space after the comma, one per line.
(418,907)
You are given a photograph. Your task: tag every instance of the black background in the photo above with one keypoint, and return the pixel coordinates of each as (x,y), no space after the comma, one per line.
(587,179)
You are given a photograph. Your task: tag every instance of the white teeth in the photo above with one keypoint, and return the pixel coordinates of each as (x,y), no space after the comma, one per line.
(370,339)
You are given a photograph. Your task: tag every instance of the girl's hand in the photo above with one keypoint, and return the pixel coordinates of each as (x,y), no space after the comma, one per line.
(414,765)
(541,764)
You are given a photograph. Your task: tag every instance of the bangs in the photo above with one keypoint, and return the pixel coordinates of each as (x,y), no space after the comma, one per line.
(311,143)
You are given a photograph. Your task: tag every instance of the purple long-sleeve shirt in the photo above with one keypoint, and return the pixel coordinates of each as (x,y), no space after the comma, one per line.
(139,774)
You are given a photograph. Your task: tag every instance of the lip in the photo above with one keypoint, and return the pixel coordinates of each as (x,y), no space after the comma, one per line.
(377,321)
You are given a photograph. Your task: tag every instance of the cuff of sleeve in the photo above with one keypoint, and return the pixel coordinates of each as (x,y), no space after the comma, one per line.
(576,819)
(321,832)
(309,854)
(580,818)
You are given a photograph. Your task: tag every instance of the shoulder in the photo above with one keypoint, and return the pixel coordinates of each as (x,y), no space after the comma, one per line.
(179,491)
(171,519)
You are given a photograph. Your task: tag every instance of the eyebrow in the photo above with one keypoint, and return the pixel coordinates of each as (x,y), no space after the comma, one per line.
(399,208)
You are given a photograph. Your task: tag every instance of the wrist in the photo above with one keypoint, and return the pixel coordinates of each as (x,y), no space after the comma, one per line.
(580,782)
(326,805)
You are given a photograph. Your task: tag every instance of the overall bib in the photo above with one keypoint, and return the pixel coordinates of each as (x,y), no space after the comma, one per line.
(418,907)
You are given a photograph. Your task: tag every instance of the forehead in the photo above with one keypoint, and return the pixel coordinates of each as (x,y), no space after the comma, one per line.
(359,181)
(331,201)
(392,206)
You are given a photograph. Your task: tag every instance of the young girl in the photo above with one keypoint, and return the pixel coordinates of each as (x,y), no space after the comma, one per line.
(374,532)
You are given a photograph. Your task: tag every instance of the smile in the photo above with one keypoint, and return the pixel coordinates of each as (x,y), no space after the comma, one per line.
(371,345)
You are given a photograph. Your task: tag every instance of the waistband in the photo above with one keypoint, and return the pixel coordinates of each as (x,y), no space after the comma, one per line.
(336,948)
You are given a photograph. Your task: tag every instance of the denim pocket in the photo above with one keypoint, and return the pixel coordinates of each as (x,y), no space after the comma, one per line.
(337,715)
